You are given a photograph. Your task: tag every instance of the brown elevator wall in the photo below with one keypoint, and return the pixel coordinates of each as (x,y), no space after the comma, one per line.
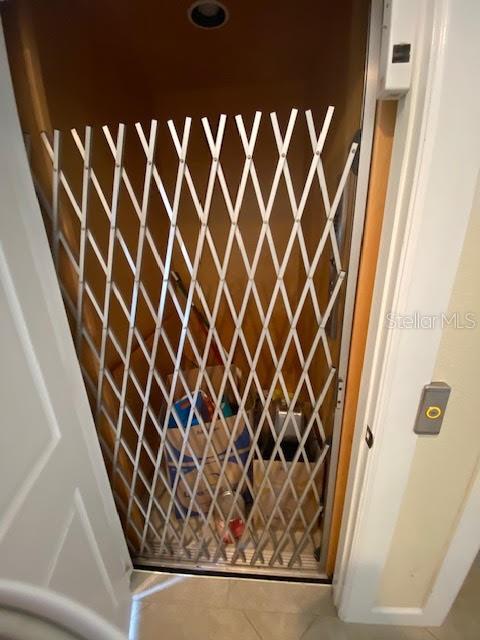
(97,63)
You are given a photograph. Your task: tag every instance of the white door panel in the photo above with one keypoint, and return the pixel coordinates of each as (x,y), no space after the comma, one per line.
(58,524)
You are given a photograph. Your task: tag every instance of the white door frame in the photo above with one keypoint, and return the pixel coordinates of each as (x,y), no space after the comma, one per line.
(433,174)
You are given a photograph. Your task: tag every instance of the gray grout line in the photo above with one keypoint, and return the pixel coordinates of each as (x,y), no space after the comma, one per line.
(229,588)
(315,618)
(430,632)
(257,632)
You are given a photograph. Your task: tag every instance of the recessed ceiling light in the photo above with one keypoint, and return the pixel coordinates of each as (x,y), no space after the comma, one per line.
(208,15)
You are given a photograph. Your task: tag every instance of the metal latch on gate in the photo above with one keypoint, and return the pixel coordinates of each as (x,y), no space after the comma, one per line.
(340,393)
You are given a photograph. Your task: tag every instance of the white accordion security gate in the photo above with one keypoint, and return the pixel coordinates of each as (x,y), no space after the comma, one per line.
(154,293)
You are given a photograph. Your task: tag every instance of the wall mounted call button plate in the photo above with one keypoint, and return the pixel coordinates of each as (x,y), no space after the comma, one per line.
(399,26)
(433,404)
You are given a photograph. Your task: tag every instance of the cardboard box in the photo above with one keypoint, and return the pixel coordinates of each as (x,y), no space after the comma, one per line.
(288,503)
(196,446)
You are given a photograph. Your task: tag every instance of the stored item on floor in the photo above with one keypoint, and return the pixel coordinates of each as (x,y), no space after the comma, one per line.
(290,484)
(279,415)
(200,455)
(234,528)
(289,423)
(295,422)
(182,409)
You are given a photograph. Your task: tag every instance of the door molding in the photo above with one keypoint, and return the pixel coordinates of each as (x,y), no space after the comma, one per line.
(358,230)
(432,180)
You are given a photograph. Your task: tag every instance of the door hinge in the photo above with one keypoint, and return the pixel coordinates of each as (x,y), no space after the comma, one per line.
(369,437)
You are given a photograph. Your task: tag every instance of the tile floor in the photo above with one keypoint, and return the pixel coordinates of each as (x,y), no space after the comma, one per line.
(177,607)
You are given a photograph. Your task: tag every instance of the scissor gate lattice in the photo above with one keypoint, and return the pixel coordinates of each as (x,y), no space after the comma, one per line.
(161,274)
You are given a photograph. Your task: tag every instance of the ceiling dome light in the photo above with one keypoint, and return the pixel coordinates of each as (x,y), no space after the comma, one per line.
(208,15)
